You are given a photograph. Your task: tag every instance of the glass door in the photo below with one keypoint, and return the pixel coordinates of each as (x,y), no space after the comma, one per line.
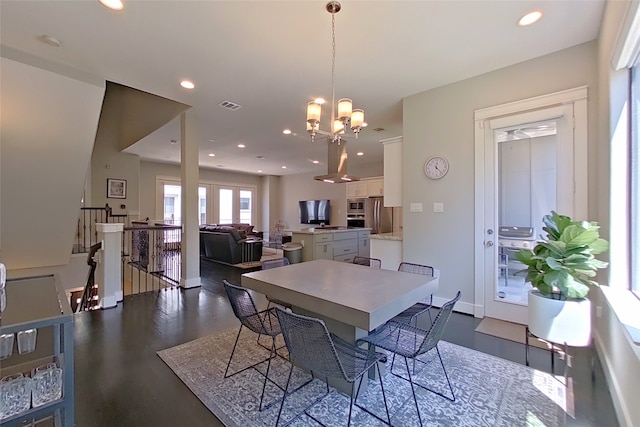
(234,204)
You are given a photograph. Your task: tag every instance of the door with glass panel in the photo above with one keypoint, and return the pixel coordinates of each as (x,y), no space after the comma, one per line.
(234,204)
(172,203)
(528,171)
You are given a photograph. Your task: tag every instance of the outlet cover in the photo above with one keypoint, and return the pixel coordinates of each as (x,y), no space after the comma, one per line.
(438,207)
(416,207)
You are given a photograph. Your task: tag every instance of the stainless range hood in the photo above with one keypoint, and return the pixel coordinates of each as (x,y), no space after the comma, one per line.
(336,163)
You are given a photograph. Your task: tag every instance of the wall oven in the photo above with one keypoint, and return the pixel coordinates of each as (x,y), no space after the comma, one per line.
(355,221)
(355,207)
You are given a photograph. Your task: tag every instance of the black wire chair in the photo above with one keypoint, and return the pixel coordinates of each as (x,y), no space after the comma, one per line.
(405,340)
(312,347)
(274,263)
(371,262)
(411,314)
(261,322)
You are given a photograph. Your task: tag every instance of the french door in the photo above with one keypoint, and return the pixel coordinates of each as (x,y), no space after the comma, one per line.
(217,203)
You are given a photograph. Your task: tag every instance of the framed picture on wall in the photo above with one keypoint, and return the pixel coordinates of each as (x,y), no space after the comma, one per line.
(116,188)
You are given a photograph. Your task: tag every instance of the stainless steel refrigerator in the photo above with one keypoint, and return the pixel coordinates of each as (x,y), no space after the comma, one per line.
(377,217)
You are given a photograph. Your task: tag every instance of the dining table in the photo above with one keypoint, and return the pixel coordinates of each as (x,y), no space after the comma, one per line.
(351,299)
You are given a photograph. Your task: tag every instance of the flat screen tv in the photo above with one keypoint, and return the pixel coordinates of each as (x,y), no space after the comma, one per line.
(315,212)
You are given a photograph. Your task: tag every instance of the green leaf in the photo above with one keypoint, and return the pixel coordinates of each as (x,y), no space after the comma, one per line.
(576,235)
(574,289)
(553,264)
(599,246)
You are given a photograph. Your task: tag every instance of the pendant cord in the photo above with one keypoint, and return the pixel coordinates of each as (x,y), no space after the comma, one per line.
(333,71)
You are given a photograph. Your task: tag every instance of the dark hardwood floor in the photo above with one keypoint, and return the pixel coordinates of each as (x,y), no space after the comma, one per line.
(120,380)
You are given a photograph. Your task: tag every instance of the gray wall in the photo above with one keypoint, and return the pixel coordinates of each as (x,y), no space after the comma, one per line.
(441,121)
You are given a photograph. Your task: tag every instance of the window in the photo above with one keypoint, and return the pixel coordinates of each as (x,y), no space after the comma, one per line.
(634,153)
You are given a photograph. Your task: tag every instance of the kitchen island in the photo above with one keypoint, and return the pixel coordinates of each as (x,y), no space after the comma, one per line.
(388,248)
(333,243)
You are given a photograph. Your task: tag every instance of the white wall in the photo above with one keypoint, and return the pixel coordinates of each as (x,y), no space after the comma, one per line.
(49,123)
(440,121)
(620,357)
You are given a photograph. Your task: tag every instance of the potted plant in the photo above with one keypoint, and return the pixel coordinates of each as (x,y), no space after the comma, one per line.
(561,268)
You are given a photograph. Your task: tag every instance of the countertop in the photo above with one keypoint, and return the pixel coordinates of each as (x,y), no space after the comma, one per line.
(326,230)
(387,236)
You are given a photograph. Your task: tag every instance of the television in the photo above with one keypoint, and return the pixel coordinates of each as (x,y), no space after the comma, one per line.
(315,212)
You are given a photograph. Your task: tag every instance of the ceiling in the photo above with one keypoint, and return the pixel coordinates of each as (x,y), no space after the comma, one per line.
(272,57)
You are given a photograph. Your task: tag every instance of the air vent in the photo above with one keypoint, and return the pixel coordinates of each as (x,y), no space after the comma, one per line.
(378,129)
(230,105)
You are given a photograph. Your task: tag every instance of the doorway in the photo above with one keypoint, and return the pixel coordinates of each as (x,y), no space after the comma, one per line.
(530,159)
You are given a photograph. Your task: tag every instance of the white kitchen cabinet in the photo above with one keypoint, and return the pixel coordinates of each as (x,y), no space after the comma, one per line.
(375,187)
(393,171)
(357,189)
(338,245)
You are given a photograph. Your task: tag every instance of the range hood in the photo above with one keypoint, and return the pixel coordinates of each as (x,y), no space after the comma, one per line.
(336,163)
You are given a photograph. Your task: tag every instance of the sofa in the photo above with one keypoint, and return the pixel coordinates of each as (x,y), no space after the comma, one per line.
(229,245)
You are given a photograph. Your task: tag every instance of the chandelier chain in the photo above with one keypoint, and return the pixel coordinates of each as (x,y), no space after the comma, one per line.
(333,67)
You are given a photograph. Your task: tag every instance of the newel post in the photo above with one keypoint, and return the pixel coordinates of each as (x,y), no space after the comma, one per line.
(109,268)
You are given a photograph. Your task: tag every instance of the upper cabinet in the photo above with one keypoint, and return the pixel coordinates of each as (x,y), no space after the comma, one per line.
(357,189)
(366,188)
(393,171)
(375,187)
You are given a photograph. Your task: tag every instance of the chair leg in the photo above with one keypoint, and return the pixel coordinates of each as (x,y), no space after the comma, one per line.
(266,376)
(285,395)
(446,376)
(413,390)
(384,398)
(233,351)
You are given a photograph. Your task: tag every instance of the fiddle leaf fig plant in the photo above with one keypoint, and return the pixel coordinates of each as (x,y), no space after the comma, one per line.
(564,263)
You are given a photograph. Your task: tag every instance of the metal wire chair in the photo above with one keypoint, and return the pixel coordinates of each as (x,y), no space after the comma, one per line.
(410,342)
(274,263)
(261,322)
(371,262)
(411,314)
(312,346)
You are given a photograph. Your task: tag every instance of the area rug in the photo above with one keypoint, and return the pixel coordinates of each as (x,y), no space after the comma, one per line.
(508,331)
(489,391)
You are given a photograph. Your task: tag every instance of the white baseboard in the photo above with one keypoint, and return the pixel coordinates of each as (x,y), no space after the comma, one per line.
(190,283)
(460,307)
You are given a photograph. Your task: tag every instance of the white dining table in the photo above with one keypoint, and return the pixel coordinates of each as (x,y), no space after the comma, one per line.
(351,299)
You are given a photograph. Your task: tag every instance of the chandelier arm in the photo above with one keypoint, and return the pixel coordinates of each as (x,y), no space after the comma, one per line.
(333,69)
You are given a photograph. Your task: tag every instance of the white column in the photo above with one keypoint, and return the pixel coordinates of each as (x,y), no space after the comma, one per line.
(190,175)
(392,171)
(109,268)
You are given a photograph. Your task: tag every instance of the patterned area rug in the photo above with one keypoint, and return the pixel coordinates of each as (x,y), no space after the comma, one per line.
(489,391)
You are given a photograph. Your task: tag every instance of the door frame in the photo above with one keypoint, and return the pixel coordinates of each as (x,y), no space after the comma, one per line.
(483,140)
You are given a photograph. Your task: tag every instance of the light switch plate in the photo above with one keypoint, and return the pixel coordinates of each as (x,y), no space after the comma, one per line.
(438,207)
(416,207)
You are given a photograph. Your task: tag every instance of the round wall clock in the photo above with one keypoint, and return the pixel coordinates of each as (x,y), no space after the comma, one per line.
(436,167)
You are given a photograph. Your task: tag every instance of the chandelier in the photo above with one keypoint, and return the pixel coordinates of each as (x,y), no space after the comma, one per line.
(345,115)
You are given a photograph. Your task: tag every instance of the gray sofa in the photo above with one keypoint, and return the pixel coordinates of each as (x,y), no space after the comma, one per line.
(228,245)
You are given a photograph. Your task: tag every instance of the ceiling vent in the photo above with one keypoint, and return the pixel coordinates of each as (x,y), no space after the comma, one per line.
(230,105)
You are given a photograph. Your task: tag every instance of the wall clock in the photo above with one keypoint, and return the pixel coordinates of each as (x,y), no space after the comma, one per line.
(436,167)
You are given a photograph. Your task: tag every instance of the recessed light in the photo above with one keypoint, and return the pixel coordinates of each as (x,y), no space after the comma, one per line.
(287,131)
(359,153)
(365,124)
(187,84)
(112,4)
(284,167)
(319,101)
(530,18)
(211,155)
(212,140)
(260,170)
(241,145)
(315,162)
(51,41)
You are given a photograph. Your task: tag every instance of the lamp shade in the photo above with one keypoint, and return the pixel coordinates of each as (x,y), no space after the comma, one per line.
(344,108)
(357,119)
(313,112)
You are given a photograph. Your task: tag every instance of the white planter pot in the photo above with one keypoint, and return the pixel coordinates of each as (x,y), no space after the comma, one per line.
(560,321)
